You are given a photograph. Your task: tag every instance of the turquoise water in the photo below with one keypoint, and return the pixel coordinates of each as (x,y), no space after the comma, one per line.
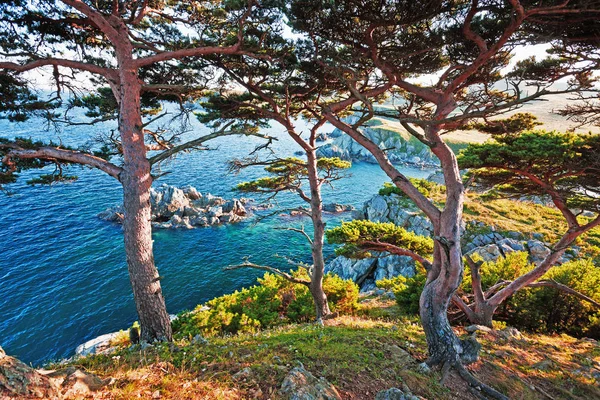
(63,277)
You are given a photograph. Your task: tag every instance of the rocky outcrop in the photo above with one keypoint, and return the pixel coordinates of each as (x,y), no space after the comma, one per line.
(367,271)
(174,207)
(493,245)
(489,245)
(99,345)
(18,380)
(392,208)
(74,383)
(337,208)
(402,147)
(300,384)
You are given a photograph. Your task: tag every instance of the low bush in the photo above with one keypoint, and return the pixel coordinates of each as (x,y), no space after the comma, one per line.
(428,188)
(549,310)
(541,310)
(274,301)
(407,290)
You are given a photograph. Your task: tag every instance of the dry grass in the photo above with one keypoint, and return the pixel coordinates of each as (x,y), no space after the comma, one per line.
(352,352)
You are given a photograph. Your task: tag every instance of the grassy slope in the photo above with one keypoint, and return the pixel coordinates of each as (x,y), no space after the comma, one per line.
(352,352)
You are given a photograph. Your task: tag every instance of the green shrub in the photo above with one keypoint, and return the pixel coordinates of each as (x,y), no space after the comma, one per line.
(545,309)
(407,290)
(274,301)
(395,284)
(504,269)
(408,299)
(551,310)
(426,187)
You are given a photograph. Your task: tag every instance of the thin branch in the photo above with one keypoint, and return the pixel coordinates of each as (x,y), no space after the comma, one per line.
(299,230)
(199,141)
(285,275)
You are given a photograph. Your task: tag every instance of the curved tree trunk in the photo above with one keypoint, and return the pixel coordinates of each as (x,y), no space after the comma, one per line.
(316,281)
(137,229)
(445,275)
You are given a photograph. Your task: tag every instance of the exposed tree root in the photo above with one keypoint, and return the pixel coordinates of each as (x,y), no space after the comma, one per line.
(477,385)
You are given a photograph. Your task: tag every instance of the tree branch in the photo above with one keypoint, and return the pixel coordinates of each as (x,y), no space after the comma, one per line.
(95,69)
(199,141)
(475,280)
(275,271)
(53,153)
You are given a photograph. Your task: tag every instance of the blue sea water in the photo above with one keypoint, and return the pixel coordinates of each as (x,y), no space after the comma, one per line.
(63,277)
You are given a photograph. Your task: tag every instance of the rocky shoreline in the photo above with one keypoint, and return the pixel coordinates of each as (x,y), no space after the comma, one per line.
(400,149)
(186,208)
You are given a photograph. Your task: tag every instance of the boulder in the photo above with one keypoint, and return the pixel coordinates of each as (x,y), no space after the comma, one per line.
(490,252)
(394,394)
(300,384)
(399,355)
(337,208)
(356,270)
(168,201)
(377,209)
(75,383)
(112,214)
(537,251)
(18,380)
(98,345)
(475,328)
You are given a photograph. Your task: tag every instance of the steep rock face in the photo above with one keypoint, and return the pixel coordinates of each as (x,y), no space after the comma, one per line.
(174,207)
(392,209)
(403,148)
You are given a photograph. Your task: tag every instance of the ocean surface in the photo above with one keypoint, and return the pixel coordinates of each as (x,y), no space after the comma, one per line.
(63,276)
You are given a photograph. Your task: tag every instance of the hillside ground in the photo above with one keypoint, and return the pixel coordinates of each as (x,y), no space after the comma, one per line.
(359,354)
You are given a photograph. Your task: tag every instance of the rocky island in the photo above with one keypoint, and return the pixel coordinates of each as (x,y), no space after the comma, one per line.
(186,208)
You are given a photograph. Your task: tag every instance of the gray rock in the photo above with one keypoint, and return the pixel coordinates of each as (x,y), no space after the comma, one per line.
(300,384)
(18,380)
(200,220)
(490,252)
(242,375)
(513,244)
(168,201)
(337,208)
(199,339)
(185,208)
(537,251)
(437,177)
(391,266)
(191,193)
(112,214)
(510,333)
(399,355)
(214,211)
(98,345)
(401,148)
(394,394)
(346,268)
(475,328)
(377,209)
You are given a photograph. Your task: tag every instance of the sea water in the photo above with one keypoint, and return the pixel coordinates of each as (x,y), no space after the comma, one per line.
(63,276)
